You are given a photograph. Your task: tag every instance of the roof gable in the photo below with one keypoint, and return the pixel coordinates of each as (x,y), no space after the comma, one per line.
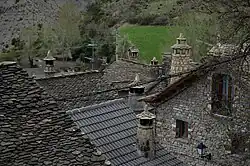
(229,63)
(123,69)
(33,130)
(112,126)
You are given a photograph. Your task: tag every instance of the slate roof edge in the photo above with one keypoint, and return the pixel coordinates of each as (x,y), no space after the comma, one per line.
(176,85)
(7,63)
(198,72)
(69,75)
(138,63)
(90,107)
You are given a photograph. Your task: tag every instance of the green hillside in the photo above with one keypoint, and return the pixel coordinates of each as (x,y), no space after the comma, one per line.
(151,40)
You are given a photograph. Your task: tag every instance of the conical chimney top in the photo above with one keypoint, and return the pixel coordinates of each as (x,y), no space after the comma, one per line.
(49,57)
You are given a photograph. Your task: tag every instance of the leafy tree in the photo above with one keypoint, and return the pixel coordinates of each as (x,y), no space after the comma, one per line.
(29,36)
(67,29)
(232,17)
(14,52)
(123,45)
(199,30)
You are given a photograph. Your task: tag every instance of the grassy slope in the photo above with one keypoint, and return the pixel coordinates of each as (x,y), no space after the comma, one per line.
(151,40)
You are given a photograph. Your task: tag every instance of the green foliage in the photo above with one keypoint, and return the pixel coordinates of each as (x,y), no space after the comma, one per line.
(14,52)
(142,12)
(151,40)
(198,29)
(58,37)
(123,45)
(67,30)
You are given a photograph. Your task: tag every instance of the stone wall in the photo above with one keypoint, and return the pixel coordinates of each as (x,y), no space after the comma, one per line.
(193,105)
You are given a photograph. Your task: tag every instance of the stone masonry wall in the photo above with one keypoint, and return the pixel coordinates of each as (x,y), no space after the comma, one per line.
(194,106)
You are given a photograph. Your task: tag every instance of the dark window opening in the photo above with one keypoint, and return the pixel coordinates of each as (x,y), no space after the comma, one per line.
(184,51)
(123,93)
(178,51)
(181,129)
(146,122)
(49,63)
(222,94)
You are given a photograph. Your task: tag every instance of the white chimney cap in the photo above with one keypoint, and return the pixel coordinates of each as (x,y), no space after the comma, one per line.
(146,114)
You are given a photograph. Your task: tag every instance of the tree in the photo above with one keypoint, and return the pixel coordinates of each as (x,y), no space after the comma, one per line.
(233,17)
(101,35)
(14,52)
(29,36)
(67,29)
(123,45)
(199,30)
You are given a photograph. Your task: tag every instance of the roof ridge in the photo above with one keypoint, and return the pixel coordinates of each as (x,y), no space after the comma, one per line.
(7,63)
(90,107)
(134,62)
(61,75)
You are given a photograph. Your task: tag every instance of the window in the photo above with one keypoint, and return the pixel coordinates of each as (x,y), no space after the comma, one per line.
(181,129)
(183,51)
(123,93)
(222,94)
(178,51)
(146,122)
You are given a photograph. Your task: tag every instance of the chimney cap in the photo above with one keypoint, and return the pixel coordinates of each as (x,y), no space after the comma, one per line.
(49,57)
(107,162)
(167,53)
(136,81)
(146,114)
(181,37)
(6,63)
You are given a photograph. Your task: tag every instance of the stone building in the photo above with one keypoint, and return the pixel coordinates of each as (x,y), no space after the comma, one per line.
(209,105)
(122,137)
(133,53)
(35,129)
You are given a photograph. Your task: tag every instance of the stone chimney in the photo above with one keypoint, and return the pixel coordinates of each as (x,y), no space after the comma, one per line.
(146,133)
(181,55)
(133,53)
(49,64)
(154,61)
(135,93)
(166,63)
(155,68)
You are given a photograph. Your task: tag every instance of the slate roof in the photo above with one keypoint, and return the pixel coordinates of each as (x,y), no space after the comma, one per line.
(223,50)
(93,87)
(72,91)
(126,70)
(39,72)
(33,131)
(112,126)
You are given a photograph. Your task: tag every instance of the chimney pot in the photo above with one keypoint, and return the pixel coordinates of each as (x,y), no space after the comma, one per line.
(146,133)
